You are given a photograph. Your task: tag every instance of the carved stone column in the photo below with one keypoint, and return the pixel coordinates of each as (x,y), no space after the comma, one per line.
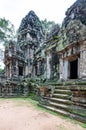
(83,61)
(61,69)
(48,65)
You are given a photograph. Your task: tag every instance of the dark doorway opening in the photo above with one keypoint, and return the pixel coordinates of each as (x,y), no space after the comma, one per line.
(74,69)
(20,71)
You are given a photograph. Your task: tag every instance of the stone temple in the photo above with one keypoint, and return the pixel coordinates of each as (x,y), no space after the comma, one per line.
(19,57)
(59,60)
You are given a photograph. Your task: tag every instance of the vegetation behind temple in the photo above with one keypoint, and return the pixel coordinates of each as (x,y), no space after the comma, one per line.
(6,31)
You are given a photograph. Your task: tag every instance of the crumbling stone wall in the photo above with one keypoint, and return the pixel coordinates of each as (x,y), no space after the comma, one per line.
(14,61)
(71,39)
(52,60)
(13,89)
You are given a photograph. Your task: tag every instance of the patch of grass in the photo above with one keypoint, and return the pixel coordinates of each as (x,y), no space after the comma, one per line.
(82,124)
(60,127)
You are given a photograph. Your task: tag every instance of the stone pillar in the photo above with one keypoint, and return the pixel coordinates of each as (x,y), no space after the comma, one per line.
(38,69)
(83,61)
(65,70)
(17,71)
(6,71)
(28,59)
(24,69)
(10,69)
(26,90)
(48,65)
(61,69)
(78,67)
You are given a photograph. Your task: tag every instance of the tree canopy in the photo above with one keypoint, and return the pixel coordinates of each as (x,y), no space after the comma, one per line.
(47,25)
(6,31)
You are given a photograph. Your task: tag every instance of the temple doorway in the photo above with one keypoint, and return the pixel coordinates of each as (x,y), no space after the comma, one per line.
(74,69)
(20,71)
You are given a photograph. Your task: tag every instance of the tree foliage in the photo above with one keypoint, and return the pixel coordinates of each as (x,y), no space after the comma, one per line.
(6,31)
(1,70)
(47,25)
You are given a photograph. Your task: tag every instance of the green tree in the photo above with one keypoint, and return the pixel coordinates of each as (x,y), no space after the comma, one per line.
(1,70)
(47,26)
(7,31)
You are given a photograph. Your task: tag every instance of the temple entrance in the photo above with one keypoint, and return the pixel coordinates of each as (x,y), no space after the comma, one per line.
(74,69)
(20,71)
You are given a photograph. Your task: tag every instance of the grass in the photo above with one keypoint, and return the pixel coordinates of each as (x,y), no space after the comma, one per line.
(29,101)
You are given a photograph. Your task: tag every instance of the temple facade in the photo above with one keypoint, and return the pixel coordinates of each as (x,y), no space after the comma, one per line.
(62,55)
(71,46)
(14,61)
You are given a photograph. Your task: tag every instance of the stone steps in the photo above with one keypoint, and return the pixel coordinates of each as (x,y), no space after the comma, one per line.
(64,103)
(60,101)
(62,87)
(62,96)
(55,109)
(59,106)
(62,91)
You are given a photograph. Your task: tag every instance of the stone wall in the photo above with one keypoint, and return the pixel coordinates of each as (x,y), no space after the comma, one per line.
(78,106)
(13,89)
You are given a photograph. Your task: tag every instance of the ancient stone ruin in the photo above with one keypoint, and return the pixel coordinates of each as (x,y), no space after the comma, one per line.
(72,42)
(57,60)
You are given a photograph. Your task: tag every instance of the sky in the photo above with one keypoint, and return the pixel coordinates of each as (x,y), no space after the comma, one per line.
(52,10)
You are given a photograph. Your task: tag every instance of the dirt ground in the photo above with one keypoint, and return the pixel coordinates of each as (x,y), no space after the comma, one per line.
(24,116)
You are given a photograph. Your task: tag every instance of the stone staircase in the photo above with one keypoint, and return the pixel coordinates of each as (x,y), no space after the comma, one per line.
(59,102)
(66,101)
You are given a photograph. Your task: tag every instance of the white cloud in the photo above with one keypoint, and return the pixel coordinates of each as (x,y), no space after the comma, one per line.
(15,10)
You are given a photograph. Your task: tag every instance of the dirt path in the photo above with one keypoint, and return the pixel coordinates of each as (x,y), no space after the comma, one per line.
(14,116)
